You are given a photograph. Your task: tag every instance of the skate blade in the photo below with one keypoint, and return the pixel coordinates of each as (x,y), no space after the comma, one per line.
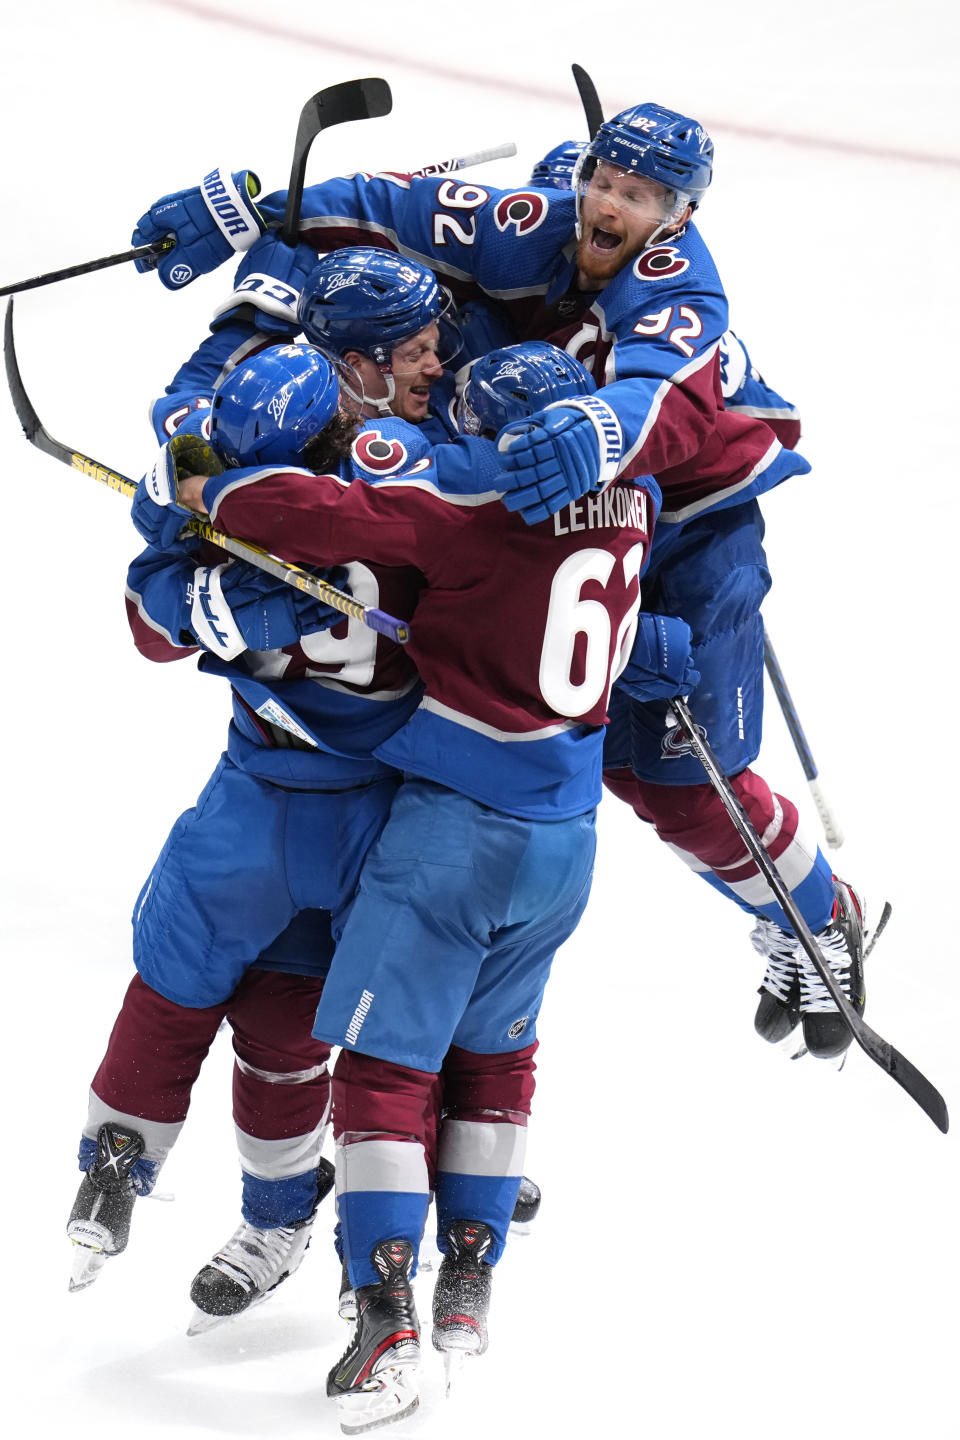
(201,1321)
(452,1365)
(792,1045)
(87,1264)
(395,1398)
(878,929)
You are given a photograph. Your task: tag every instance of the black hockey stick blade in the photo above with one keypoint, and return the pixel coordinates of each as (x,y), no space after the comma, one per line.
(294,575)
(897,1066)
(138,253)
(28,417)
(589,99)
(351,100)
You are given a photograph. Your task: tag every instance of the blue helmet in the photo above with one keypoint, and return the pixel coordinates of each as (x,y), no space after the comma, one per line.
(268,407)
(510,384)
(370,300)
(555,170)
(661,144)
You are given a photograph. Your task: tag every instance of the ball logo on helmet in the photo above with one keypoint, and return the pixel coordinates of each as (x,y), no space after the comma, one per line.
(340,280)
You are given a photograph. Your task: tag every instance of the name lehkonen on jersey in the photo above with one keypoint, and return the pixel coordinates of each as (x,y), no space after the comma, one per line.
(615,508)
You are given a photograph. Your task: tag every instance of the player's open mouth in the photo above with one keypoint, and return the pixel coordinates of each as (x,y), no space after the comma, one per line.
(604,240)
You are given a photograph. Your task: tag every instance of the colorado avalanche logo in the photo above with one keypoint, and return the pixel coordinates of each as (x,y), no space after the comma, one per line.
(675,743)
(376,455)
(522,211)
(660,263)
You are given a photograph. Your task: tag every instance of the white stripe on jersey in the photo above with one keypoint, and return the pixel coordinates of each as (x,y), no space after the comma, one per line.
(546,732)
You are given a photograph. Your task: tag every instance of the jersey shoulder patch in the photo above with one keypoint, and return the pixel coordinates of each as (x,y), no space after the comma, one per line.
(385,448)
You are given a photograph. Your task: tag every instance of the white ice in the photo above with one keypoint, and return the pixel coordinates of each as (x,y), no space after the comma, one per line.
(729,1243)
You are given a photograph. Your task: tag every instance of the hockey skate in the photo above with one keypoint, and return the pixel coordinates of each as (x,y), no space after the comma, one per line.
(793,992)
(251,1265)
(249,1268)
(842,945)
(778,1013)
(373,1383)
(524,1213)
(99,1223)
(461,1296)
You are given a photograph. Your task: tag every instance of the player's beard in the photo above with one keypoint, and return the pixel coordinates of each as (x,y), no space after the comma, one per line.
(599,270)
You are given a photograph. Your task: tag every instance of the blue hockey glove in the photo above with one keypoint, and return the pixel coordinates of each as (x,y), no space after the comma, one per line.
(155,511)
(209,223)
(236,607)
(170,413)
(661,663)
(270,277)
(558,455)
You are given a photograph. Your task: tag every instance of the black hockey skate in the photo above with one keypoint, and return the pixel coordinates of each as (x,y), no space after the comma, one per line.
(373,1384)
(461,1296)
(841,944)
(778,1013)
(251,1265)
(99,1223)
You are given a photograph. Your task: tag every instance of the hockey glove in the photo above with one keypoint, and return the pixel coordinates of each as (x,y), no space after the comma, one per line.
(170,413)
(269,277)
(155,511)
(661,661)
(209,223)
(558,455)
(236,607)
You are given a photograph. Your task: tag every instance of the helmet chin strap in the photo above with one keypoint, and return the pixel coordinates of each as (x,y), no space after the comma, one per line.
(382,404)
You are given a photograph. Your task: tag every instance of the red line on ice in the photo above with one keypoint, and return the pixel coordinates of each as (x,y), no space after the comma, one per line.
(554,95)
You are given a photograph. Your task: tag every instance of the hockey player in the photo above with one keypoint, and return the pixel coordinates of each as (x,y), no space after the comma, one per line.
(384,316)
(235,919)
(616,272)
(181,594)
(443,961)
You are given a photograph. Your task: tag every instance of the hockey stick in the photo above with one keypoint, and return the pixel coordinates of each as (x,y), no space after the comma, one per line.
(828,820)
(300,579)
(159,247)
(351,100)
(462,162)
(589,99)
(917,1086)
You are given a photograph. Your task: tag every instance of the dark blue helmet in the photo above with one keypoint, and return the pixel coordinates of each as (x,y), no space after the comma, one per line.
(268,407)
(661,144)
(555,170)
(510,384)
(370,300)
